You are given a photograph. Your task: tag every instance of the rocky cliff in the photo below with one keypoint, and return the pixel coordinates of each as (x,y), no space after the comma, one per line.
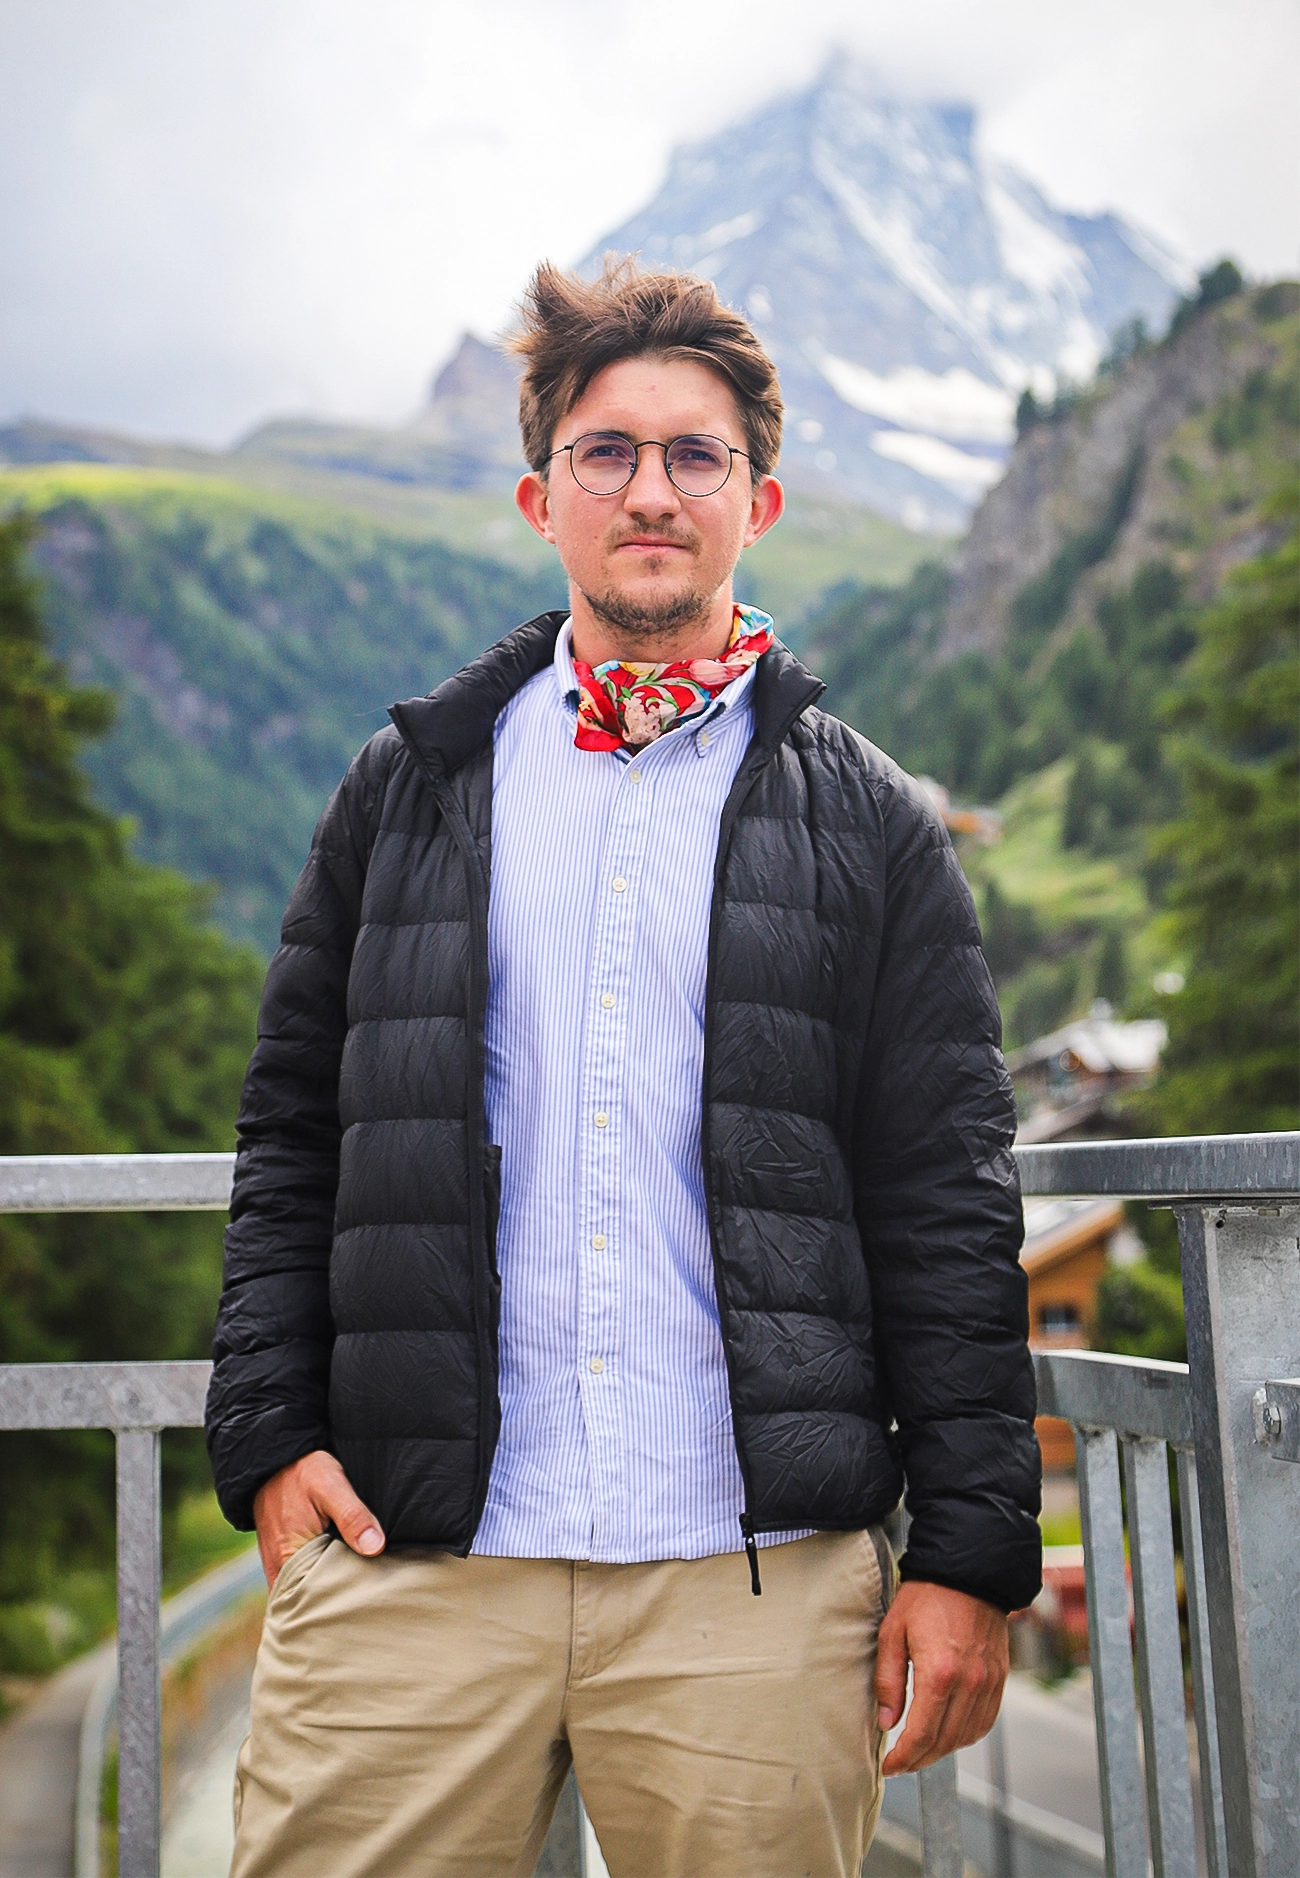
(1114,469)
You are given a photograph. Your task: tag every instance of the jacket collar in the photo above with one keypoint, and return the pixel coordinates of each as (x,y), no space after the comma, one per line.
(454,722)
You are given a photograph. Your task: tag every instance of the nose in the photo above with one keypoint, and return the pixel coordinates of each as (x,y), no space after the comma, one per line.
(651,494)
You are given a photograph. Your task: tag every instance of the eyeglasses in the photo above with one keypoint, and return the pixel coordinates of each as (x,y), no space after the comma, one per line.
(605,461)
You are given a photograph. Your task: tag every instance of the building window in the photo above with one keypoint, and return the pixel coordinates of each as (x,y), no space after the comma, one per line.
(1059,1320)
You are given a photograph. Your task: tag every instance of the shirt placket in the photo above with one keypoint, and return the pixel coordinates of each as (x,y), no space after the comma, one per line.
(602,1184)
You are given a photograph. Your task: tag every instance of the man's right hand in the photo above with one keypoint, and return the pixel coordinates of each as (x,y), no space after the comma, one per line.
(297,1504)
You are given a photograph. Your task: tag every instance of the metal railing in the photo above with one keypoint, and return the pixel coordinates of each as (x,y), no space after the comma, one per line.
(1229,1416)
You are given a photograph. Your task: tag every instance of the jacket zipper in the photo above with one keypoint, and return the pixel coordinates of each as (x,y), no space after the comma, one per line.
(745,778)
(463,835)
(751,1552)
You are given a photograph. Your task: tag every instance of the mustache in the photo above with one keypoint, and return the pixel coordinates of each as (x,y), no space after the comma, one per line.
(670,535)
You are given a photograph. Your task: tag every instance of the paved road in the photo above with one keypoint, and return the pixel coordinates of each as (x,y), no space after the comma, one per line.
(1051,1749)
(38,1774)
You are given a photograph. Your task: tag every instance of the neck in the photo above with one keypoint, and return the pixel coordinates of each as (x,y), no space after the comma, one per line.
(597,639)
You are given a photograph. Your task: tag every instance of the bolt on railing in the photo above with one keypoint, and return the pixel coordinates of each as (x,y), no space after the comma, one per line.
(1229,1416)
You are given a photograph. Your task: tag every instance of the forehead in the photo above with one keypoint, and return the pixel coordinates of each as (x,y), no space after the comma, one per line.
(656,397)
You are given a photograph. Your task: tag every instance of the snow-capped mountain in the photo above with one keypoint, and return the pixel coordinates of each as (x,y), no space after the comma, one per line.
(908,287)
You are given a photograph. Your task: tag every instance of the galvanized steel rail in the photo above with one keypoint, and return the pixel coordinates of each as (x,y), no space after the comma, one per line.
(137,1401)
(1229,1418)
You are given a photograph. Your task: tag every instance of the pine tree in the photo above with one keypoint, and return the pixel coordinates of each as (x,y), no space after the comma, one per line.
(125,1023)
(1233,1061)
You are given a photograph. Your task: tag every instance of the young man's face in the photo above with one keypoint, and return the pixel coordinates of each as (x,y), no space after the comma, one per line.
(650,560)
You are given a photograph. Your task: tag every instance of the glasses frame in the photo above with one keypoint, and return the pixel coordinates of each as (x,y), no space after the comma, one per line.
(648,442)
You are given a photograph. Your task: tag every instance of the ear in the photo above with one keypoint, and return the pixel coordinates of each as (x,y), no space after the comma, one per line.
(765,509)
(533,498)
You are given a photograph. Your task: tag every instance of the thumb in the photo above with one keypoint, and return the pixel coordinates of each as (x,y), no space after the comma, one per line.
(891,1670)
(357,1525)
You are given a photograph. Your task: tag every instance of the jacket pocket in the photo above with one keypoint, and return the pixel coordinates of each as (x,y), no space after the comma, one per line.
(886,1565)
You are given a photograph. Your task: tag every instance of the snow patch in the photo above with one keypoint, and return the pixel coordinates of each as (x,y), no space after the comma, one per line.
(1032,252)
(968,475)
(722,234)
(955,404)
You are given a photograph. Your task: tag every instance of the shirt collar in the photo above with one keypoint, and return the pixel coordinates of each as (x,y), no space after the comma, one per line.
(728,699)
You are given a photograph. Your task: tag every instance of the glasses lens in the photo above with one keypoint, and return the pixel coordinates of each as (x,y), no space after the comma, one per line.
(603,462)
(698,465)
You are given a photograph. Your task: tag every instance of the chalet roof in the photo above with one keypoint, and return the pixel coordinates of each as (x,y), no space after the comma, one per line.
(1056,1229)
(1103,1046)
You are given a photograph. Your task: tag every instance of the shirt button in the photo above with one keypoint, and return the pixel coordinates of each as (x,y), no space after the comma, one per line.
(601,1120)
(619,884)
(598,1242)
(704,740)
(596,1365)
(634,775)
(607,1000)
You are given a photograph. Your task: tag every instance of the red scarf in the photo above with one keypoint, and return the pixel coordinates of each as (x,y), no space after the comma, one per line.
(625,706)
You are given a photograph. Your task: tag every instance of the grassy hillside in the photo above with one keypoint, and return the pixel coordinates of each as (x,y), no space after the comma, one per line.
(254,641)
(1060,716)
(400,485)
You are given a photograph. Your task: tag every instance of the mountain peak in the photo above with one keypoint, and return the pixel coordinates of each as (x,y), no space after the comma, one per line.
(473,400)
(907,286)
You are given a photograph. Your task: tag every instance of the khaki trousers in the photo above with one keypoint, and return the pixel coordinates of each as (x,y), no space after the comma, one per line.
(417,1715)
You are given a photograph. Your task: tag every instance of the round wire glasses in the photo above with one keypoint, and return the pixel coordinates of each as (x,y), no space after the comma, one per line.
(605,461)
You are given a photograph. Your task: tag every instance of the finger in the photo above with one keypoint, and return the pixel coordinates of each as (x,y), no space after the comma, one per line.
(357,1525)
(956,1727)
(983,1715)
(924,1721)
(891,1673)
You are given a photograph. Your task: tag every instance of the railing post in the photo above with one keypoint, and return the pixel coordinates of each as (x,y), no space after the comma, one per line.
(1118,1765)
(139,1681)
(1241,1287)
(941,1854)
(1198,1625)
(1160,1662)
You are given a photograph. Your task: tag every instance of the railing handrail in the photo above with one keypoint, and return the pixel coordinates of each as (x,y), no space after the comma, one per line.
(1094,1389)
(1174,1167)
(1167,1167)
(115,1183)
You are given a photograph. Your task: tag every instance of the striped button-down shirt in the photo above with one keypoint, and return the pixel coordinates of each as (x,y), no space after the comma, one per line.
(616,1434)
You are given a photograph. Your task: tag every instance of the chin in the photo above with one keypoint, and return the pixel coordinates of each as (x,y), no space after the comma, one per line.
(650,606)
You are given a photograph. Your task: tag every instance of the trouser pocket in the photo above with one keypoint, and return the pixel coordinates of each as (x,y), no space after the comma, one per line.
(888,1566)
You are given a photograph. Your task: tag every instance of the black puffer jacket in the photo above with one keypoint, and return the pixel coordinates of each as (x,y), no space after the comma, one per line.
(857,1118)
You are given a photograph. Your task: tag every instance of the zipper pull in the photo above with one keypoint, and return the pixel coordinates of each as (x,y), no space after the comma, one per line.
(751,1553)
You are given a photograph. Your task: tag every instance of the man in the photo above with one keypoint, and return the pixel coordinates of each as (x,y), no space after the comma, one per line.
(624,1188)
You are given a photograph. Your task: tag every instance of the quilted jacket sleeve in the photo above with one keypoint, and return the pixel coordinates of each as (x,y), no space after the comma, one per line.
(268,1400)
(938,1200)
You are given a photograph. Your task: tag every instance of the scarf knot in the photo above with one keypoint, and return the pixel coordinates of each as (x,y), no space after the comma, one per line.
(623,705)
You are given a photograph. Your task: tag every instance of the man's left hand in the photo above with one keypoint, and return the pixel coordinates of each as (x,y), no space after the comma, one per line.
(958,1650)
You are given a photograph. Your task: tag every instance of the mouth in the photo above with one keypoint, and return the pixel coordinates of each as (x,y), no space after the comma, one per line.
(653,544)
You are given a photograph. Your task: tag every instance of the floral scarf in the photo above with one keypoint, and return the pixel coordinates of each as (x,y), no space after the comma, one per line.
(625,706)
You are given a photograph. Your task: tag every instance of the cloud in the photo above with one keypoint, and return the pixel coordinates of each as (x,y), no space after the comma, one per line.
(219,210)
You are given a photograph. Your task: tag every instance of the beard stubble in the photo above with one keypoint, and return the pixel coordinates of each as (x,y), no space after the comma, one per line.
(649,619)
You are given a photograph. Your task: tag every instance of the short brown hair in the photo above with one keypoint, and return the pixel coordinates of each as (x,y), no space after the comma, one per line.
(571,329)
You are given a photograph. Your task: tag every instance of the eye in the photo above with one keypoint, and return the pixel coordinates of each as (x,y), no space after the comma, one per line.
(699,453)
(603,447)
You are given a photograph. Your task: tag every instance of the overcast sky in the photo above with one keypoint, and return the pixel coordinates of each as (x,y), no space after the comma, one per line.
(214,210)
